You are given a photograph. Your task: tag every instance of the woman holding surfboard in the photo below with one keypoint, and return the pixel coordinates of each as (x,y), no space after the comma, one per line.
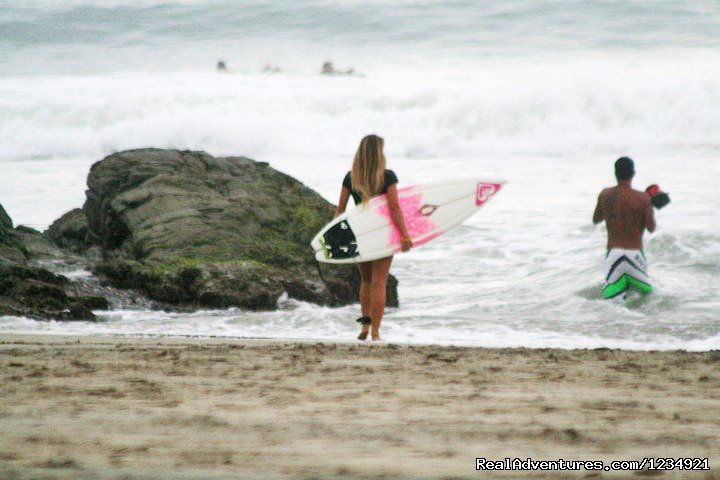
(367,179)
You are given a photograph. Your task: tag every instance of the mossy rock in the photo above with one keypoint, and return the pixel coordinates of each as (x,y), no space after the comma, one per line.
(70,231)
(186,228)
(30,291)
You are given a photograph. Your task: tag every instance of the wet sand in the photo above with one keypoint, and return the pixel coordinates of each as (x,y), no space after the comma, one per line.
(118,407)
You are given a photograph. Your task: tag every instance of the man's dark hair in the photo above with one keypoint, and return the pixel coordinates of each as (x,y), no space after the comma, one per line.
(624,168)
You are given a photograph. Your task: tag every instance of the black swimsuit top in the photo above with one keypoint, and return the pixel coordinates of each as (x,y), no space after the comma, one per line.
(390,179)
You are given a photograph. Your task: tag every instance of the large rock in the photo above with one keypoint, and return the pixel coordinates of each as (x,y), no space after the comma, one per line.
(70,231)
(186,228)
(5,220)
(28,290)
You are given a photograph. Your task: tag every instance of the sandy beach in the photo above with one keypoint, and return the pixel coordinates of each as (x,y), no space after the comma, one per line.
(166,408)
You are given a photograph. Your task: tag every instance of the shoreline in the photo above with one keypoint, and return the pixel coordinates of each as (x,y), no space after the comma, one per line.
(179,407)
(94,337)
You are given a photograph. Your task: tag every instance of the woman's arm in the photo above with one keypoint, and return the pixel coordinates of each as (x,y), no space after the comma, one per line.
(342,203)
(397,216)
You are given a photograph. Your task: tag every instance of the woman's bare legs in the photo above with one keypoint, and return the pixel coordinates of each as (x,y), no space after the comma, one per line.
(378,293)
(366,278)
(373,296)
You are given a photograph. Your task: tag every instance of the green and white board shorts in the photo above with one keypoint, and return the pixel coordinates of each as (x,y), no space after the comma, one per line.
(625,269)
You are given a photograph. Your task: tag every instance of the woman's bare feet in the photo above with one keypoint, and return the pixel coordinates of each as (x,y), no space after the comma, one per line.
(363,334)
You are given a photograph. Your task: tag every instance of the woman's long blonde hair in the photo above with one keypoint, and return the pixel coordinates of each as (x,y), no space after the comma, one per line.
(368,170)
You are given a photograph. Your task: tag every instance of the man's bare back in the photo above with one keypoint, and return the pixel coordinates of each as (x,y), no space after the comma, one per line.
(627,214)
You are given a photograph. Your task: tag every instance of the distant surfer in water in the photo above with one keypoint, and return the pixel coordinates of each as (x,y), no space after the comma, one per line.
(627,214)
(367,179)
(329,69)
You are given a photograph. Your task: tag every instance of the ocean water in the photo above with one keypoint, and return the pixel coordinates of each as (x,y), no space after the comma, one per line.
(543,94)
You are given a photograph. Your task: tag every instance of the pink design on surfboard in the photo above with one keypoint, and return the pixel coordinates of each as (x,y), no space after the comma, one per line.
(415,221)
(417,215)
(485,191)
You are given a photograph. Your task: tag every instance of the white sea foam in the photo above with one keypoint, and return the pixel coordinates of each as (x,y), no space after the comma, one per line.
(561,112)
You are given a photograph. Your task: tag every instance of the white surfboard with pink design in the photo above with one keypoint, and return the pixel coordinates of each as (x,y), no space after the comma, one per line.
(430,209)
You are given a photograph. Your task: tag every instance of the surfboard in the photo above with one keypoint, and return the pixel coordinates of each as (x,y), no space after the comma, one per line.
(430,209)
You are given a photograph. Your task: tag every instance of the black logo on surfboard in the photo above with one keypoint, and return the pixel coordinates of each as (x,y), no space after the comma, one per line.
(340,242)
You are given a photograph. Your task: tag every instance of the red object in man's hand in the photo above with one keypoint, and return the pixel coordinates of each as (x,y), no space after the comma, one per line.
(658,198)
(652,190)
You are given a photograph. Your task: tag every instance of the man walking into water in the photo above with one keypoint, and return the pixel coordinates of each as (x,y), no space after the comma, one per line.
(627,214)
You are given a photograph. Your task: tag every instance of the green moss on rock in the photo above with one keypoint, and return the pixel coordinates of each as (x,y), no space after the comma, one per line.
(190,229)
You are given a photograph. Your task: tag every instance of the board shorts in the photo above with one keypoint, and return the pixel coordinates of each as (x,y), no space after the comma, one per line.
(625,269)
